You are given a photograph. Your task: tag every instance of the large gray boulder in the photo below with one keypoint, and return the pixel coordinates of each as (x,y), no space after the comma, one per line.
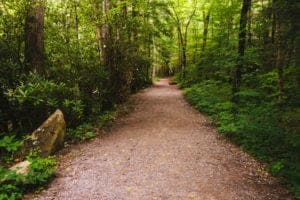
(49,137)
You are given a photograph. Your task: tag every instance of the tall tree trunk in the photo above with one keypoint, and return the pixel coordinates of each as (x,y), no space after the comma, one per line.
(297,60)
(182,52)
(249,41)
(184,62)
(154,59)
(273,28)
(134,15)
(98,38)
(195,52)
(179,35)
(97,12)
(105,36)
(279,61)
(295,27)
(76,27)
(212,27)
(184,49)
(229,30)
(182,31)
(241,49)
(34,38)
(205,30)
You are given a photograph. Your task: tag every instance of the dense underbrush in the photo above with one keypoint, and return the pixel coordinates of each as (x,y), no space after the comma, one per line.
(14,185)
(263,129)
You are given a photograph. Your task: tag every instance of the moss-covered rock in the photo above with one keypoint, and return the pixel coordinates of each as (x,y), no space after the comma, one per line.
(49,137)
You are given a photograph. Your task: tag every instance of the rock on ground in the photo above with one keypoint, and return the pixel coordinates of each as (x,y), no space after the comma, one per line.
(49,137)
(21,167)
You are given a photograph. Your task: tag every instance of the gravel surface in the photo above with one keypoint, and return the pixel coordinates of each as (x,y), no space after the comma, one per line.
(163,150)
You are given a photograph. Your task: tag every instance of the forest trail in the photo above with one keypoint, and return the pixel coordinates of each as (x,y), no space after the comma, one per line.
(163,150)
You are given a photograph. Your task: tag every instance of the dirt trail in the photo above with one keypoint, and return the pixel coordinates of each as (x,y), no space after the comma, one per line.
(162,150)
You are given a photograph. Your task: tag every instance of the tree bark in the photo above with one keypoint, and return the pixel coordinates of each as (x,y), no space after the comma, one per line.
(34,38)
(241,49)
(205,30)
(279,61)
(297,60)
(76,27)
(97,12)
(182,31)
(105,36)
(134,16)
(249,41)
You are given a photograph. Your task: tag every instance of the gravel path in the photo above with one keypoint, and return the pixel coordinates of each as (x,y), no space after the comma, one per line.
(163,150)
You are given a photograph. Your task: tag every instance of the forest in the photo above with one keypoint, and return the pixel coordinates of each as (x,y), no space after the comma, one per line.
(237,61)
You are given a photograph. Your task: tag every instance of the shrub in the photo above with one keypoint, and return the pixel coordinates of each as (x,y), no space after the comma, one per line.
(13,185)
(41,169)
(106,119)
(260,127)
(10,187)
(8,145)
(82,132)
(89,130)
(208,95)
(32,101)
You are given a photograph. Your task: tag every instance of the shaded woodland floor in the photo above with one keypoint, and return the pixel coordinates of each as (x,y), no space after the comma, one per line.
(164,149)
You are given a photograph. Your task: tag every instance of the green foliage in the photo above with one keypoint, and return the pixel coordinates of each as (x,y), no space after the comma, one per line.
(268,83)
(203,95)
(44,96)
(140,77)
(259,128)
(41,169)
(106,119)
(263,115)
(9,143)
(75,79)
(10,187)
(276,167)
(13,185)
(90,130)
(83,132)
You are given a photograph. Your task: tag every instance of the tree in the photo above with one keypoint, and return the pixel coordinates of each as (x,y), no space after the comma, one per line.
(205,29)
(34,37)
(237,76)
(182,26)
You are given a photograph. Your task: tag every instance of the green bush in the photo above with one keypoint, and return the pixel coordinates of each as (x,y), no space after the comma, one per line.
(203,96)
(106,119)
(89,130)
(13,185)
(32,101)
(82,132)
(8,145)
(10,184)
(140,78)
(41,169)
(258,126)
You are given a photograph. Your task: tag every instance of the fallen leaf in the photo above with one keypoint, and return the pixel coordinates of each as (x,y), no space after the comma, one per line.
(129,188)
